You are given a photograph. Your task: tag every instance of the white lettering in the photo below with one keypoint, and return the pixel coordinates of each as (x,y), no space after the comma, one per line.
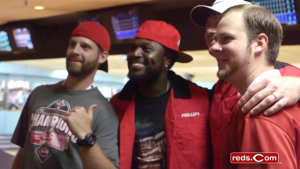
(73,139)
(46,121)
(66,130)
(54,120)
(36,117)
(70,133)
(62,126)
(254,158)
(41,120)
(194,114)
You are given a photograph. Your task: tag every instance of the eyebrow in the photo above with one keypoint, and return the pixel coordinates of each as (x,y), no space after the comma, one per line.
(214,18)
(224,34)
(142,44)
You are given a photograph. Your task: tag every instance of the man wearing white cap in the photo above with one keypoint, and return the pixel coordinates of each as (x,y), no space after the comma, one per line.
(275,91)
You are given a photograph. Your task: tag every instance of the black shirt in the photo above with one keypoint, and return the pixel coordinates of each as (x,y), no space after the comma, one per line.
(150,142)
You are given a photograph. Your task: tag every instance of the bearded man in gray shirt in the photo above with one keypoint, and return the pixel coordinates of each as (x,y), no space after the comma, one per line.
(53,132)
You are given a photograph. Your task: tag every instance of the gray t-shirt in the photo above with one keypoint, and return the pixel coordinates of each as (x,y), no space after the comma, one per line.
(45,137)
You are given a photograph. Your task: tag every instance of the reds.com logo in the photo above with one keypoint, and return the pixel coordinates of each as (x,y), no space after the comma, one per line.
(254,157)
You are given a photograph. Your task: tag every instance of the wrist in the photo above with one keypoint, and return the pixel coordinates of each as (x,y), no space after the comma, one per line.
(89,140)
(82,135)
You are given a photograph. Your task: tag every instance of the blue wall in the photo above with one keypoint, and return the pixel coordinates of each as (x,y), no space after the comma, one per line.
(8,121)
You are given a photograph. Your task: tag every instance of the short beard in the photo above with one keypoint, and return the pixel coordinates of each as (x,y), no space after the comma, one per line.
(224,74)
(148,76)
(86,68)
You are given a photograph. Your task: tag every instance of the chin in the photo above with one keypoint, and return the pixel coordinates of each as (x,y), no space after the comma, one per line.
(223,74)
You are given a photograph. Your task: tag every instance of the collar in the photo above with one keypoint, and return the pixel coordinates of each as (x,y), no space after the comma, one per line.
(90,87)
(179,85)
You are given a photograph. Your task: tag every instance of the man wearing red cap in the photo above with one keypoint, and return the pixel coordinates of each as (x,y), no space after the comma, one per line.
(55,130)
(163,117)
(276,91)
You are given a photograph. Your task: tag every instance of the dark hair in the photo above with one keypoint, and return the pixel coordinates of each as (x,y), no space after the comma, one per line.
(259,20)
(172,54)
(100,50)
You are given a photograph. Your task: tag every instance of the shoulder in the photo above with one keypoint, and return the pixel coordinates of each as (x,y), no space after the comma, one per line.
(120,105)
(287,69)
(104,109)
(286,119)
(45,87)
(195,88)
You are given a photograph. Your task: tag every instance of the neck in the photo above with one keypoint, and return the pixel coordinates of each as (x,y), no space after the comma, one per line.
(244,80)
(156,87)
(79,83)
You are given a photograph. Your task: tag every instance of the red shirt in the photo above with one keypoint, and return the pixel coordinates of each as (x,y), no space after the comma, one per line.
(225,97)
(221,111)
(279,133)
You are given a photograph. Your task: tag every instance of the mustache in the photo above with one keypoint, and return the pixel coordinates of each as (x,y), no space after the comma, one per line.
(75,58)
(135,59)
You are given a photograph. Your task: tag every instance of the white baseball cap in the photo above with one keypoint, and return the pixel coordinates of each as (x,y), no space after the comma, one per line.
(200,13)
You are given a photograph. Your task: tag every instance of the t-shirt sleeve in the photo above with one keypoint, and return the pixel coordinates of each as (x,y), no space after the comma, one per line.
(19,135)
(261,135)
(107,132)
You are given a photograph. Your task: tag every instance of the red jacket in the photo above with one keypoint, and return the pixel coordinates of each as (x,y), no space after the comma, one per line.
(187,137)
(279,133)
(225,96)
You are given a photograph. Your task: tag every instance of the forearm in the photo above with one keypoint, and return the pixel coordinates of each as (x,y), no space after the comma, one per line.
(94,158)
(18,159)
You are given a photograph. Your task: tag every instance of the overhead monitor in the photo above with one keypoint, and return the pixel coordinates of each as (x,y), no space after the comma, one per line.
(4,42)
(285,10)
(92,19)
(23,39)
(125,24)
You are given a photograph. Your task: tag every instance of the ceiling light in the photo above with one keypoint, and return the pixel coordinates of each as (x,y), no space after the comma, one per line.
(39,8)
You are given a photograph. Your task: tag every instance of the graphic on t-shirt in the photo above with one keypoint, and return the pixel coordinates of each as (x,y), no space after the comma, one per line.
(152,143)
(48,129)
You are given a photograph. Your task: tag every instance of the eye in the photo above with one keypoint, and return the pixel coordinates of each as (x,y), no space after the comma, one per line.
(226,39)
(147,49)
(84,47)
(212,40)
(72,44)
(132,48)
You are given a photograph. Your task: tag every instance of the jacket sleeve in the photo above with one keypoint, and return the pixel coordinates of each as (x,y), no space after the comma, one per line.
(261,135)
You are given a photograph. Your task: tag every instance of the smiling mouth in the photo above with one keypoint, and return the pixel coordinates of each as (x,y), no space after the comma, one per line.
(137,64)
(75,61)
(222,60)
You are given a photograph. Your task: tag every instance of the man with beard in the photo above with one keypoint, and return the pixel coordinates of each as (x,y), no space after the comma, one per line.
(276,91)
(247,43)
(163,117)
(55,130)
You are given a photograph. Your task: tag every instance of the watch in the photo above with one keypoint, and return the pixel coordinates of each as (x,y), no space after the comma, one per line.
(89,140)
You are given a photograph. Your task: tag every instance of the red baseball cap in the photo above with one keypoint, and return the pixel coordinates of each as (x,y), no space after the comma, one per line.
(97,33)
(164,34)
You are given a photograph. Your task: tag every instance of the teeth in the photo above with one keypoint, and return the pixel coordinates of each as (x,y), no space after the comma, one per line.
(137,64)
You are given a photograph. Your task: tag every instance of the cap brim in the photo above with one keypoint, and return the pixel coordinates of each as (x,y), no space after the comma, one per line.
(104,67)
(200,13)
(183,58)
